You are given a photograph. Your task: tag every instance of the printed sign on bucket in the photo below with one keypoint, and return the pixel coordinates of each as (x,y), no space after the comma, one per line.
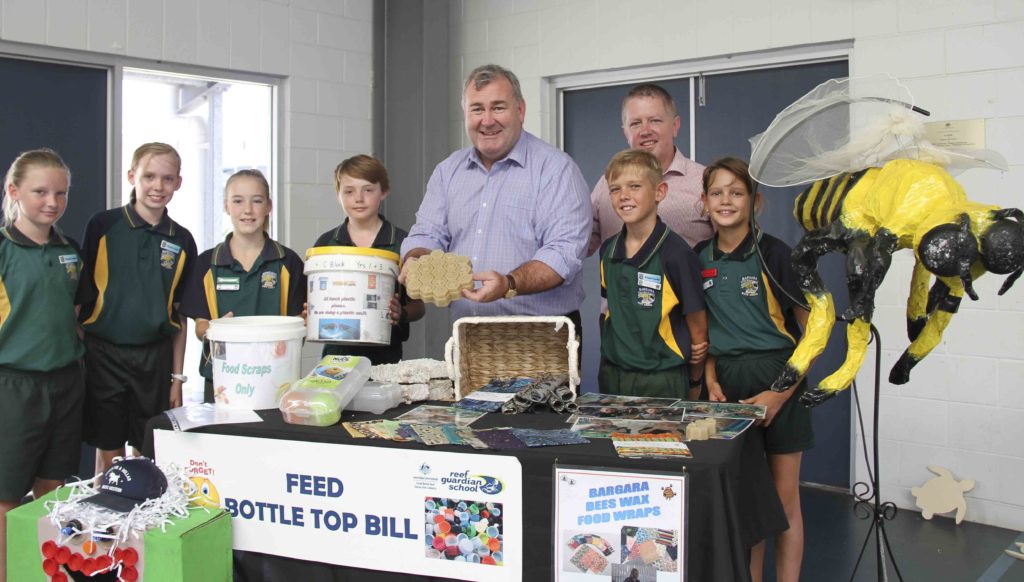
(350,291)
(254,375)
(255,359)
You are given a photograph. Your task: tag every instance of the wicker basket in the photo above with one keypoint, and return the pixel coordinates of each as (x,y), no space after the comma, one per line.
(484,348)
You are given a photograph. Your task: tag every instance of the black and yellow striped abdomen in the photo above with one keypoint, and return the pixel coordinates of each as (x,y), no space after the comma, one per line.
(822,202)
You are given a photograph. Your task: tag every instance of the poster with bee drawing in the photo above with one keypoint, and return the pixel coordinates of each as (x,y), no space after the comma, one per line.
(619,526)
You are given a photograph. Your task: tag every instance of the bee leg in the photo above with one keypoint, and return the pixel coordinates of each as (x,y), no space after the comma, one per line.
(822,318)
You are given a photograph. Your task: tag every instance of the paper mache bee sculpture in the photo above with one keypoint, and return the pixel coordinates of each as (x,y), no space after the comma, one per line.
(877,187)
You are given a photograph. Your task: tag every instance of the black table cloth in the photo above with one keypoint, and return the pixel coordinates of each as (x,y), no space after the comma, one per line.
(732,503)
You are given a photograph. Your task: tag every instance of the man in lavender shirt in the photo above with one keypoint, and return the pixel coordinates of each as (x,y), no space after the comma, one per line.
(516,206)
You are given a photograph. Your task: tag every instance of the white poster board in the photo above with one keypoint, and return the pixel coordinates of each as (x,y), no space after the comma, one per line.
(611,525)
(362,506)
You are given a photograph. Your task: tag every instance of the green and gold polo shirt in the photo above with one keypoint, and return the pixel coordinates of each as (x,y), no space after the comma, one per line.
(138,271)
(649,296)
(39,288)
(747,311)
(275,285)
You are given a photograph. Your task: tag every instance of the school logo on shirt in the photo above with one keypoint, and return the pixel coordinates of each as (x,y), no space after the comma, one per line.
(167,259)
(645,297)
(168,253)
(268,280)
(749,286)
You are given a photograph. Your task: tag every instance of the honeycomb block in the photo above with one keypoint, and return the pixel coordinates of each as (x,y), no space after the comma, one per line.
(438,277)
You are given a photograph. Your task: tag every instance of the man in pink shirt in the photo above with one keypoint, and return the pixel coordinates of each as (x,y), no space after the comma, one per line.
(650,122)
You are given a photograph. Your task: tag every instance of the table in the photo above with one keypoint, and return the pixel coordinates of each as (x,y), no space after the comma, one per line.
(733,504)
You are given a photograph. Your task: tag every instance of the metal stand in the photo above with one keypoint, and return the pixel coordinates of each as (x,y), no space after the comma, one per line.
(869,496)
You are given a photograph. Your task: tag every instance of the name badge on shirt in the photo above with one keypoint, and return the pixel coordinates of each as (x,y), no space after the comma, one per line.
(229,283)
(169,246)
(648,280)
(70,263)
(709,277)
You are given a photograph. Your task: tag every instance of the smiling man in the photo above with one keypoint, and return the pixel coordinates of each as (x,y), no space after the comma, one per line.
(650,122)
(516,206)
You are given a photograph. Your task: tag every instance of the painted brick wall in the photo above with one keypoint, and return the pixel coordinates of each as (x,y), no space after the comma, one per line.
(964,407)
(322,47)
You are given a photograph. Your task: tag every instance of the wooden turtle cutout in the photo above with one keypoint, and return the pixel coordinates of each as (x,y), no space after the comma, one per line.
(942,494)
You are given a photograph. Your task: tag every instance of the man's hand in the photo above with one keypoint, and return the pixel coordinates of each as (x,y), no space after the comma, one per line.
(493,286)
(409,257)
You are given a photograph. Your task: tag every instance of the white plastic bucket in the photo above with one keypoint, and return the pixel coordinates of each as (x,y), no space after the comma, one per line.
(256,359)
(350,289)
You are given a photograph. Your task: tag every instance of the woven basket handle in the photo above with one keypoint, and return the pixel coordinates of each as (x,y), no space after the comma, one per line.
(449,356)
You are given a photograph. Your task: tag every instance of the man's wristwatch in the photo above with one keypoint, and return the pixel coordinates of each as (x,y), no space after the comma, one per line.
(511,287)
(179,377)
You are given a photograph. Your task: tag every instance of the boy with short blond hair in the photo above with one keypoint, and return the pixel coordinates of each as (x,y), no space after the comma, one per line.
(651,280)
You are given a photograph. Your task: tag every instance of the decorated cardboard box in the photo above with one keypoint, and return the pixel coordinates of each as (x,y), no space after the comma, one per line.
(196,548)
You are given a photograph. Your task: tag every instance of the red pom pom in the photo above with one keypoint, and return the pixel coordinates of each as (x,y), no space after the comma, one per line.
(130,557)
(59,577)
(75,563)
(50,566)
(49,548)
(63,555)
(104,563)
(129,574)
(89,566)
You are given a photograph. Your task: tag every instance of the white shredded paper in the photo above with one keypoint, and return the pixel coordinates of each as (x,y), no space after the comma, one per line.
(97,521)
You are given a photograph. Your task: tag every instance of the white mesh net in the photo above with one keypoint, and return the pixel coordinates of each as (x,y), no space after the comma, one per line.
(847,125)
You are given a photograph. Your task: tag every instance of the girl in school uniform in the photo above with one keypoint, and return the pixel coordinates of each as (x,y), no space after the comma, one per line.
(137,261)
(40,370)
(247,274)
(753,327)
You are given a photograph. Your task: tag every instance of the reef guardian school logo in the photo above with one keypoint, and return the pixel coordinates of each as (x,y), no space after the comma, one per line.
(464,482)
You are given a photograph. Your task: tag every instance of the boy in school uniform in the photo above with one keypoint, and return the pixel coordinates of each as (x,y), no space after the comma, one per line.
(650,278)
(137,260)
(361,183)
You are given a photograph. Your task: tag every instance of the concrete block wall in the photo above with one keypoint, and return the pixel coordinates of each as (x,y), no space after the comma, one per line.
(321,49)
(963,59)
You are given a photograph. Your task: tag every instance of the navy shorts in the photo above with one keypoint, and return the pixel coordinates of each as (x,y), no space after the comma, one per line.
(125,386)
